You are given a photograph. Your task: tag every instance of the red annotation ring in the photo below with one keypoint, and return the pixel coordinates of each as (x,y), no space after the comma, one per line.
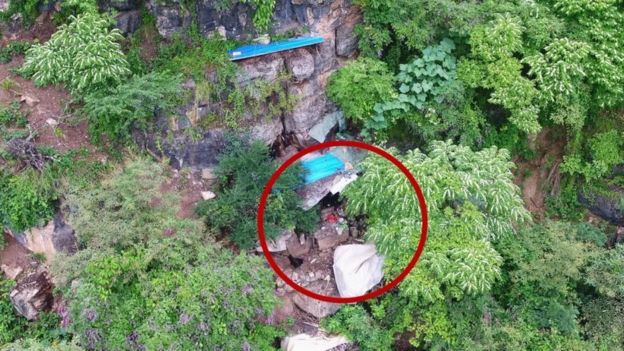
(336,299)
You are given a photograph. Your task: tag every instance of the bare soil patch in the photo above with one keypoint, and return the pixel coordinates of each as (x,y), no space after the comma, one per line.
(539,175)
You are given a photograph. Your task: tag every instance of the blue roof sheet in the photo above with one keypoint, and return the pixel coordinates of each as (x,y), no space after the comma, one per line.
(321,167)
(248,51)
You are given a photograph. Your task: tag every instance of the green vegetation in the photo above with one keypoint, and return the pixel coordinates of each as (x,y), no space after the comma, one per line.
(28,9)
(84,55)
(146,278)
(13,326)
(232,100)
(12,49)
(357,86)
(461,92)
(114,112)
(27,199)
(243,171)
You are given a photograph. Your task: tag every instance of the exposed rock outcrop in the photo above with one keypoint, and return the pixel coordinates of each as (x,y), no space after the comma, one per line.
(32,293)
(56,236)
(307,69)
(609,207)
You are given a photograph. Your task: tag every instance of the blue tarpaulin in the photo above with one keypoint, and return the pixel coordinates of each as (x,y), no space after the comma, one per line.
(321,167)
(254,50)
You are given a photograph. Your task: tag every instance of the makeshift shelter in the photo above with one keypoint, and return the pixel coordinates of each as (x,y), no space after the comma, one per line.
(254,50)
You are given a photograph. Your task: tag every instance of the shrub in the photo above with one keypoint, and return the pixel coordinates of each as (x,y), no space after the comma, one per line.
(29,9)
(127,208)
(12,49)
(471,200)
(431,100)
(605,150)
(170,295)
(243,170)
(116,111)
(26,199)
(354,322)
(606,272)
(358,86)
(35,345)
(84,54)
(145,279)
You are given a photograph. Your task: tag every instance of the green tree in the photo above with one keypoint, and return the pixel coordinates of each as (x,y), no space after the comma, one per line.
(606,272)
(471,201)
(243,170)
(492,65)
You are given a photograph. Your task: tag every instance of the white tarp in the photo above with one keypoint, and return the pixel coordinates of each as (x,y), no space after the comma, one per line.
(357,269)
(305,342)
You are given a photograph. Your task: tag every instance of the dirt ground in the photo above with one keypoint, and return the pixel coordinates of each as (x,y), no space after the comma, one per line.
(46,108)
(13,257)
(538,176)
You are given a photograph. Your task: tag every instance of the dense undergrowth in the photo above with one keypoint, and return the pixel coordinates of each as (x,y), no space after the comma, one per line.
(458,91)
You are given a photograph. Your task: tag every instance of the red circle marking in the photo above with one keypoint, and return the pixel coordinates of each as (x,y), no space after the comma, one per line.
(336,299)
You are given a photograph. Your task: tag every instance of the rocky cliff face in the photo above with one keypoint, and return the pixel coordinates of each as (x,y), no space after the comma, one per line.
(308,68)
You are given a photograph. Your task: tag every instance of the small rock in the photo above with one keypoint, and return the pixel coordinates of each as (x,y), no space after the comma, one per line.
(222,32)
(208,195)
(353,232)
(328,237)
(264,39)
(190,84)
(52,122)
(279,244)
(208,174)
(30,101)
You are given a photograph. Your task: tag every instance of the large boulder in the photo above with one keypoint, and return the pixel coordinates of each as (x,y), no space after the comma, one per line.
(300,64)
(32,293)
(317,308)
(357,269)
